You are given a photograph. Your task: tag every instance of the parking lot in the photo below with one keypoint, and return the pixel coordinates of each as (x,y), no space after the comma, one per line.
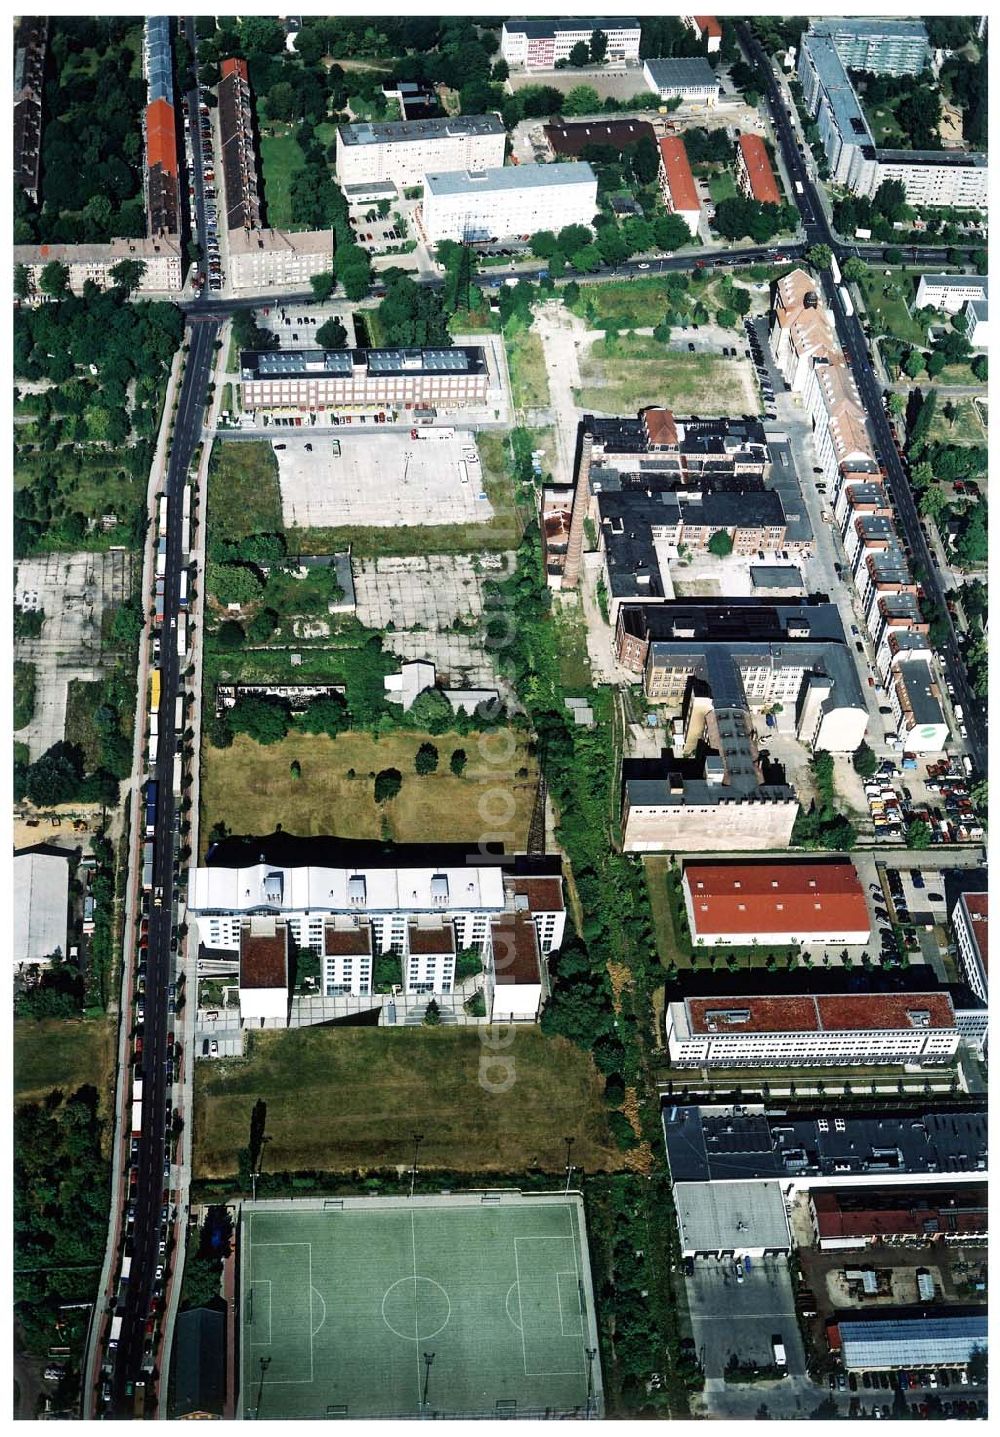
(380,480)
(730,1317)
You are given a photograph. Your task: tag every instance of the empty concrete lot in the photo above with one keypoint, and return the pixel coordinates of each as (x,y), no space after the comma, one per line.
(73,591)
(417,601)
(379,480)
(730,1317)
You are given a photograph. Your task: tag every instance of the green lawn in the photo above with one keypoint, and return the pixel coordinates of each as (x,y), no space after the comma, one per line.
(622,375)
(243,493)
(528,378)
(884,125)
(250,788)
(965,429)
(574,661)
(722,186)
(24,694)
(368,1087)
(280,157)
(886,299)
(63,1054)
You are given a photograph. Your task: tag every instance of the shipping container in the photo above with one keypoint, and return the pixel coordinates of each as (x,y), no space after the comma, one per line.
(184,589)
(154,692)
(179,714)
(159,603)
(161,559)
(181,635)
(136,1120)
(162,523)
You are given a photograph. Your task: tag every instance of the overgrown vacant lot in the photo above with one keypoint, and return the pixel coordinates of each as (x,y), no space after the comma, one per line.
(622,375)
(368,1087)
(62,1054)
(243,493)
(251,789)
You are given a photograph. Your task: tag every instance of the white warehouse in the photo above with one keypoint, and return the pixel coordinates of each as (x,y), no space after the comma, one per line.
(497,203)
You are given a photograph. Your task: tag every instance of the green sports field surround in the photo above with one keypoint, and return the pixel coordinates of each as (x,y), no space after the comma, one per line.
(342,1304)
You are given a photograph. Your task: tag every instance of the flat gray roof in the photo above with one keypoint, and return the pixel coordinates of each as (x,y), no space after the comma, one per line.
(508,177)
(731,1217)
(870,29)
(958,281)
(847,112)
(267,363)
(684,73)
(948,159)
(775,576)
(400,131)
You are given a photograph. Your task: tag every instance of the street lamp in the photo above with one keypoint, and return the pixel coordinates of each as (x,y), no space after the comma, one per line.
(569,1164)
(417,1140)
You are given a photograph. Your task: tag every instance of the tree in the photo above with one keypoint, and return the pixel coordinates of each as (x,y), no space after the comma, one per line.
(432,1014)
(323,285)
(720,544)
(426,760)
(598,47)
(230,635)
(854,269)
(819,256)
(23,286)
(54,279)
(897,403)
(913,364)
(332,334)
(579,56)
(282,102)
(233,583)
(261,717)
(458,760)
(581,100)
(262,626)
(388,782)
(324,715)
(918,835)
(670,232)
(128,274)
(971,544)
(573,237)
(865,761)
(412,314)
(981,368)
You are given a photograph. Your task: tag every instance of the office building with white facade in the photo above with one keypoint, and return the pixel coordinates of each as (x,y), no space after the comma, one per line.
(401,152)
(950,292)
(538,44)
(520,199)
(788,1030)
(970,924)
(424,913)
(282,259)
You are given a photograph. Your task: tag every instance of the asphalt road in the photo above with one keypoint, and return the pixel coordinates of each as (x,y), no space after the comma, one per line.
(152,1186)
(855,345)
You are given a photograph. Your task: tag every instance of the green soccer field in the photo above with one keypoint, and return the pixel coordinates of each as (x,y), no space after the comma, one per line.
(341,1306)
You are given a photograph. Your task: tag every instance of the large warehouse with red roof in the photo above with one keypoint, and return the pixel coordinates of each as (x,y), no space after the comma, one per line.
(779,902)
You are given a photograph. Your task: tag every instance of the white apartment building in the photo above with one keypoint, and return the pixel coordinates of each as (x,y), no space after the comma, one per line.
(950,292)
(538,44)
(931,178)
(264,259)
(970,924)
(162,257)
(789,1030)
(691,80)
(497,203)
(401,152)
(977,323)
(350,916)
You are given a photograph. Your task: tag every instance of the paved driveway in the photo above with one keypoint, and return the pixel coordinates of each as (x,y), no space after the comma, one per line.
(730,1317)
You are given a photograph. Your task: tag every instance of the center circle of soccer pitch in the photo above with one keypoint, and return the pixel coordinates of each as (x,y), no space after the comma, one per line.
(416,1309)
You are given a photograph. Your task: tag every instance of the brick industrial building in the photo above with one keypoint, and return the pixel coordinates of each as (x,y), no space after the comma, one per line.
(570,140)
(849,1219)
(846,1029)
(780,902)
(299,381)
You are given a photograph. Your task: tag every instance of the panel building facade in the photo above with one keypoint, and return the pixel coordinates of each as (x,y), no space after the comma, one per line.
(401,152)
(472,205)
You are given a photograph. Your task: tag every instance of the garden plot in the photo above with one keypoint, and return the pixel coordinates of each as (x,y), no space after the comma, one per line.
(381,480)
